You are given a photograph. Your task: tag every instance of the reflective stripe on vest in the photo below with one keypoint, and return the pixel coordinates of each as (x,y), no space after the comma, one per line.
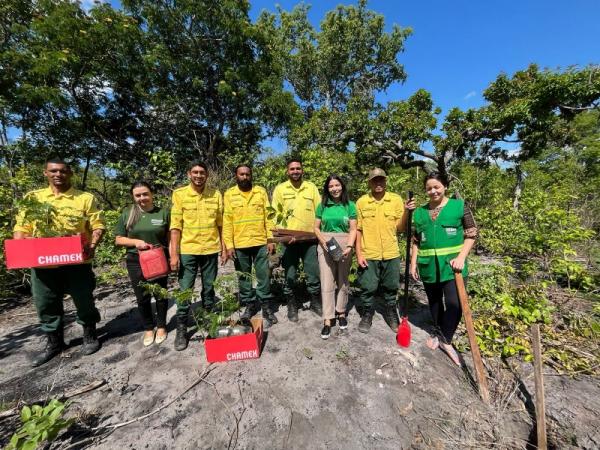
(440,251)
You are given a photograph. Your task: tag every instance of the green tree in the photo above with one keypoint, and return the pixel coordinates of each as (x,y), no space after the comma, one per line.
(335,72)
(72,85)
(216,88)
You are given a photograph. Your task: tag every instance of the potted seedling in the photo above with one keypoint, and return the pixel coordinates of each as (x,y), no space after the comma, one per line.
(225,338)
(49,243)
(280,215)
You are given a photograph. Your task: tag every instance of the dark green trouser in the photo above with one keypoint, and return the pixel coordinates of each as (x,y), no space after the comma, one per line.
(49,287)
(188,269)
(292,254)
(244,258)
(384,273)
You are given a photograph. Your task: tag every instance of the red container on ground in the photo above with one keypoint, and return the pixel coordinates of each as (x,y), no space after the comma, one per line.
(153,263)
(44,252)
(235,348)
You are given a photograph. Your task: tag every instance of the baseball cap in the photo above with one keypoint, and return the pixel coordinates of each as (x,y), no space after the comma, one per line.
(377,172)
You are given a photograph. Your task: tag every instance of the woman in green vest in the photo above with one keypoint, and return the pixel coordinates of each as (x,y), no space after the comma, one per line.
(139,227)
(445,232)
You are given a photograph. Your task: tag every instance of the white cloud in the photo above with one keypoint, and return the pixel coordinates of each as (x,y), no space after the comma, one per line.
(470,95)
(86,5)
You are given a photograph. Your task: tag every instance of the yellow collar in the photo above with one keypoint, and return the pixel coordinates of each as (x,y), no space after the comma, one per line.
(386,198)
(69,193)
(302,186)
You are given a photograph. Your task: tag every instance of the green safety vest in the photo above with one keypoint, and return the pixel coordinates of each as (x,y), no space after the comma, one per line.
(441,239)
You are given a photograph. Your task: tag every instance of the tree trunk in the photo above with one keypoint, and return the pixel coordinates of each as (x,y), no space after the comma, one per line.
(441,167)
(86,170)
(518,186)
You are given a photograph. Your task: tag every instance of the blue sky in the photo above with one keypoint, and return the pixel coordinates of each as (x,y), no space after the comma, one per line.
(458,47)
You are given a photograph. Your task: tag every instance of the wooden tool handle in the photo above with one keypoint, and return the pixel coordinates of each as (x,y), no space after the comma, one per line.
(540,404)
(404,311)
(466,310)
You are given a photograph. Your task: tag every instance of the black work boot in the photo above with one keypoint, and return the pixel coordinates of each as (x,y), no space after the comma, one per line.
(391,317)
(292,307)
(181,334)
(54,345)
(91,344)
(366,320)
(269,317)
(209,305)
(250,311)
(315,304)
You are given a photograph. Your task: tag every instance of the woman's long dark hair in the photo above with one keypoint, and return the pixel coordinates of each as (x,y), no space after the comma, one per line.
(136,212)
(326,197)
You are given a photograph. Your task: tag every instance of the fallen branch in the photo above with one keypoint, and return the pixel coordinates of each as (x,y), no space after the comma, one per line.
(289,429)
(237,418)
(65,396)
(137,419)
(31,313)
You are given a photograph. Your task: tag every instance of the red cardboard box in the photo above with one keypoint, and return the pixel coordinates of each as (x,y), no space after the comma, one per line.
(44,252)
(235,348)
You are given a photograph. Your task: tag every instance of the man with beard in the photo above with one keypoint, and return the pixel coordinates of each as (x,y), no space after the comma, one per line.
(77,213)
(246,229)
(196,220)
(301,199)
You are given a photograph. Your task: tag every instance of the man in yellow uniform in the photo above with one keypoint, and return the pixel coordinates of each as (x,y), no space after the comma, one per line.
(74,212)
(196,221)
(301,199)
(246,229)
(381,215)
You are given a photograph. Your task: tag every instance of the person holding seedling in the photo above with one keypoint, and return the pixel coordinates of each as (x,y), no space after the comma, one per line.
(300,198)
(140,227)
(445,233)
(335,227)
(195,243)
(381,216)
(76,212)
(246,228)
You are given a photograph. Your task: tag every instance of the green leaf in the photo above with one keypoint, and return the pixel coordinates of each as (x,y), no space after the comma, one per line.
(25,413)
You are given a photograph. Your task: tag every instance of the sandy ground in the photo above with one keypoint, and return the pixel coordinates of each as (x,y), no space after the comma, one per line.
(353,391)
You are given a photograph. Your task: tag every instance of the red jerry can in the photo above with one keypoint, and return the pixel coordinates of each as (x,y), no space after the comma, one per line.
(153,263)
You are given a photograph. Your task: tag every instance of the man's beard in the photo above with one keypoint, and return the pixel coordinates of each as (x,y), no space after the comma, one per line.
(244,185)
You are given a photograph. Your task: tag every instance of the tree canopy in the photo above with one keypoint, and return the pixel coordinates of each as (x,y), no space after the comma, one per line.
(200,79)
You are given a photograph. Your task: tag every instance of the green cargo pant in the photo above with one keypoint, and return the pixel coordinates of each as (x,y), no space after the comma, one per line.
(49,287)
(244,259)
(379,273)
(188,269)
(290,260)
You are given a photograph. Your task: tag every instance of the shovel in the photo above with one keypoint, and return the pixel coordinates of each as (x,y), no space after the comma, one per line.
(477,361)
(403,335)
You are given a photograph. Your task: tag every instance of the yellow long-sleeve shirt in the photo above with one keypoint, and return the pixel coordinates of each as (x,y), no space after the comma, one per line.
(77,212)
(199,217)
(245,222)
(302,202)
(378,223)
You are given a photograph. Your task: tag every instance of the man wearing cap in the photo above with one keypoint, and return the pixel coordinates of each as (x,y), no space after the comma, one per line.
(301,198)
(76,213)
(381,216)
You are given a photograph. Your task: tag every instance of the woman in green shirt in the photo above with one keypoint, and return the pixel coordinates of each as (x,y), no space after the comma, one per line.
(141,226)
(335,218)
